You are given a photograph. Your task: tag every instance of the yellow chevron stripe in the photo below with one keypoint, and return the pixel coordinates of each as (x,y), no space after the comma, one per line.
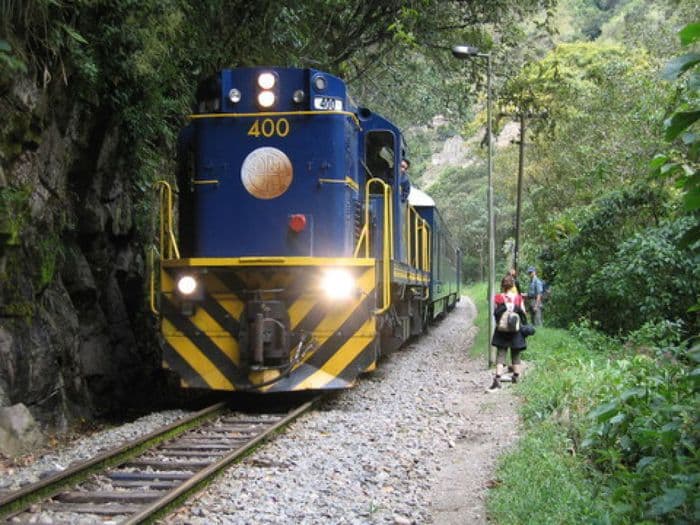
(200,363)
(225,297)
(206,323)
(341,359)
(299,309)
(169,329)
(262,376)
(335,318)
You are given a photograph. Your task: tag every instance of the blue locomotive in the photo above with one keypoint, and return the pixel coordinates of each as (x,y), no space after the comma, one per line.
(298,256)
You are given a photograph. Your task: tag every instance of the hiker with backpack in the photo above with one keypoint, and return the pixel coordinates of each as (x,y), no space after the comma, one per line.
(510,317)
(534,296)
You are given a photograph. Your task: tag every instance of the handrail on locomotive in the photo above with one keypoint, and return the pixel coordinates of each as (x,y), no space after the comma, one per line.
(167,243)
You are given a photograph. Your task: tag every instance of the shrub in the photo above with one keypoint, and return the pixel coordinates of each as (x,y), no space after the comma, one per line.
(650,278)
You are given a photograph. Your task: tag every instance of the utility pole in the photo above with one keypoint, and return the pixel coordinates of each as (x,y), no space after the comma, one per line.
(521,169)
(522,117)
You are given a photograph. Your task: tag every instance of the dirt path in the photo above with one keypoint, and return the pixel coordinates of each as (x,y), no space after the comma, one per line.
(459,491)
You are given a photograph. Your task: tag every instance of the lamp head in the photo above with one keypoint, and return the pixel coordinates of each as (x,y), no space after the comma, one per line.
(464,51)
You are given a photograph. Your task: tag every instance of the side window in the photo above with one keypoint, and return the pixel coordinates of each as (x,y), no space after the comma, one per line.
(379,156)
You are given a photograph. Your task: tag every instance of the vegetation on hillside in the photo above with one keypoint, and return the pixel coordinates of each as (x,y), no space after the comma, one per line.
(599,226)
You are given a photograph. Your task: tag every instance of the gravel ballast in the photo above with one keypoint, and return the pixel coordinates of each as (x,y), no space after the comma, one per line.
(13,478)
(414,442)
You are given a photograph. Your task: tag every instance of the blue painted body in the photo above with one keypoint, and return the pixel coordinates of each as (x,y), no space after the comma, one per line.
(231,221)
(329,159)
(281,181)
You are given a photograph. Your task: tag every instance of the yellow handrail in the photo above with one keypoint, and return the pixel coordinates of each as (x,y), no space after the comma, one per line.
(168,244)
(426,246)
(416,224)
(387,240)
(152,279)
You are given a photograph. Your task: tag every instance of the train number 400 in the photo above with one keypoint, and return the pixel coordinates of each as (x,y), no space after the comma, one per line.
(268,128)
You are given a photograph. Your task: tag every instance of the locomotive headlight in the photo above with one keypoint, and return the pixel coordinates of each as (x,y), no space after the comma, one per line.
(266,80)
(266,99)
(187,285)
(338,284)
(234,96)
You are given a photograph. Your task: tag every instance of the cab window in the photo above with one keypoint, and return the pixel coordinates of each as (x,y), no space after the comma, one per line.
(379,156)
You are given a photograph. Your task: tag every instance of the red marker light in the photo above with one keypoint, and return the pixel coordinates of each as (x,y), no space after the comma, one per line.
(297,222)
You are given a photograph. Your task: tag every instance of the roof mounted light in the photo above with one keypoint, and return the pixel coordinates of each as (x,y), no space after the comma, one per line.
(266,99)
(266,80)
(320,82)
(234,96)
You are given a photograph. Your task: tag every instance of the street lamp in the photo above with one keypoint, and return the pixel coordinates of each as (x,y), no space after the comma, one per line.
(464,52)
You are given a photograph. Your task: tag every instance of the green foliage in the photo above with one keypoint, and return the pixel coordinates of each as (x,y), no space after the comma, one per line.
(649,278)
(14,212)
(18,309)
(541,482)
(9,63)
(49,251)
(683,127)
(578,261)
(628,416)
(646,438)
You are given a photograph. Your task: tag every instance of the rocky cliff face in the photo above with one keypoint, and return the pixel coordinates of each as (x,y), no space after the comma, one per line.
(74,335)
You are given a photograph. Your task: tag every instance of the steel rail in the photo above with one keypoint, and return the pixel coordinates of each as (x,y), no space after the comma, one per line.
(200,478)
(189,437)
(18,501)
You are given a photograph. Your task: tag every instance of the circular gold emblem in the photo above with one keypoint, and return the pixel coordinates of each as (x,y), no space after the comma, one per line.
(266,173)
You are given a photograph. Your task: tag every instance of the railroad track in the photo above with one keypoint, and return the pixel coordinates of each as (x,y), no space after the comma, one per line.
(150,476)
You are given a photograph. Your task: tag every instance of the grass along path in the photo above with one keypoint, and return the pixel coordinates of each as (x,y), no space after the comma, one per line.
(611,431)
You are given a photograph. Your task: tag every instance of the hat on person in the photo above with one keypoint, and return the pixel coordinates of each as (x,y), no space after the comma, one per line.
(530,269)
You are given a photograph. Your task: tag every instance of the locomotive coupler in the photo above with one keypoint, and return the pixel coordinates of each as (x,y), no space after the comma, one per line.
(265,338)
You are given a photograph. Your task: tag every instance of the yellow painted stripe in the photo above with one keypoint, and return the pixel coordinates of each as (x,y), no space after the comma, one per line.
(341,359)
(206,323)
(277,114)
(200,363)
(169,329)
(263,376)
(410,276)
(335,319)
(231,304)
(225,297)
(269,261)
(299,309)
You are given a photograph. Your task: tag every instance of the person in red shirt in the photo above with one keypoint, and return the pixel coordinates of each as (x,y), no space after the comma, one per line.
(508,302)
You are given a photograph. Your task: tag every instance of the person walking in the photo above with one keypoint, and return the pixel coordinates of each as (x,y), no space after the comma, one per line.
(534,296)
(516,283)
(507,334)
